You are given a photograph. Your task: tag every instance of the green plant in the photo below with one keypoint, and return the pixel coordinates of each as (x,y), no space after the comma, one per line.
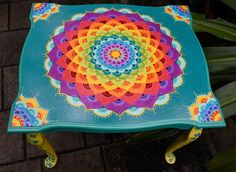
(217,27)
(221,63)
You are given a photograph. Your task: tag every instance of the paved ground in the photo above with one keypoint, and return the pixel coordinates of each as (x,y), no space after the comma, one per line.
(86,152)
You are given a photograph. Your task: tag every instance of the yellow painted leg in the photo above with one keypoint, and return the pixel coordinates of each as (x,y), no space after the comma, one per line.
(181,141)
(40,141)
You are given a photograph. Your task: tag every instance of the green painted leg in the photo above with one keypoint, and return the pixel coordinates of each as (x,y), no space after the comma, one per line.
(40,141)
(181,141)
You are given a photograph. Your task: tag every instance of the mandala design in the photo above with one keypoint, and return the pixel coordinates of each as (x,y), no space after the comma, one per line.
(27,113)
(42,11)
(205,109)
(114,61)
(179,12)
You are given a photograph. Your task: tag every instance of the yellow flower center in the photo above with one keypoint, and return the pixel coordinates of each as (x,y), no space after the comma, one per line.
(115,54)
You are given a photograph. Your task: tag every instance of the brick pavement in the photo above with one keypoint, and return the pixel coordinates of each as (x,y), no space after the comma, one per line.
(79,151)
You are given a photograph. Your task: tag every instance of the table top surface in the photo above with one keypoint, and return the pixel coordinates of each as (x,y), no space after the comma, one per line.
(112,68)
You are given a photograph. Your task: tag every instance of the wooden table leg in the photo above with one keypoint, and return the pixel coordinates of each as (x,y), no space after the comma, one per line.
(181,141)
(40,141)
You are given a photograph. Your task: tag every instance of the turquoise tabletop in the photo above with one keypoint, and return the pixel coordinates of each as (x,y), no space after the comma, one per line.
(112,68)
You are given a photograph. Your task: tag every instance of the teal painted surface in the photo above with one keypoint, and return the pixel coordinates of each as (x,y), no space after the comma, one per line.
(63,116)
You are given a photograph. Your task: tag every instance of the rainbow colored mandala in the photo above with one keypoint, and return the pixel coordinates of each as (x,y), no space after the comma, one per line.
(205,109)
(179,12)
(114,61)
(27,113)
(42,11)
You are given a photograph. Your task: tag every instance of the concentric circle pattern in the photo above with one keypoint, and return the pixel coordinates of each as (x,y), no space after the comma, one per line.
(114,60)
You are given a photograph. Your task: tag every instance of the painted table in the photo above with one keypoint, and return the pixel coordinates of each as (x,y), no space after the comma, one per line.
(112,68)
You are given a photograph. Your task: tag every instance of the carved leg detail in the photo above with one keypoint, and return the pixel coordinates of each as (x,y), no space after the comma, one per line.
(40,141)
(181,141)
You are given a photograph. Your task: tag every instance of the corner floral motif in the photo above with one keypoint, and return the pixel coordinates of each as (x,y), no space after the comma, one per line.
(205,109)
(42,11)
(179,12)
(27,113)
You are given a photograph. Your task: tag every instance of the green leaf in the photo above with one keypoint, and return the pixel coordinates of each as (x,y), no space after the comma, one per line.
(153,135)
(221,64)
(221,60)
(222,77)
(227,97)
(223,161)
(220,54)
(217,27)
(230,3)
(197,15)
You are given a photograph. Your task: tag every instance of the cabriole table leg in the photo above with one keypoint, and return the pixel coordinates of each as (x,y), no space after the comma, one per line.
(40,141)
(181,141)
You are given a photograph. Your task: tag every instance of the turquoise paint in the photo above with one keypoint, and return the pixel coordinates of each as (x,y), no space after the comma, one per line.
(35,83)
